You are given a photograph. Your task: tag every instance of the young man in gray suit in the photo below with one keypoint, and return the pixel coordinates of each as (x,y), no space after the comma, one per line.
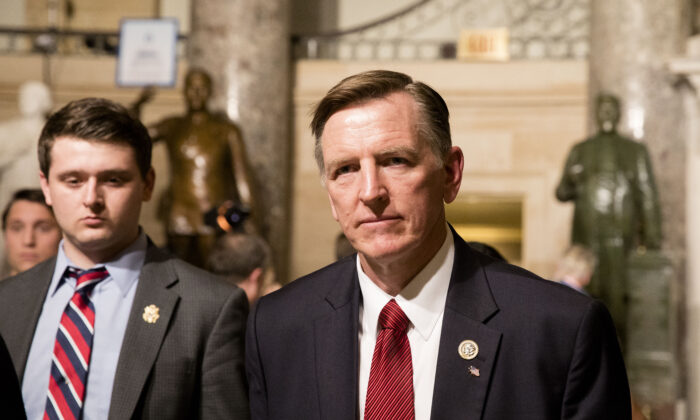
(418,325)
(112,327)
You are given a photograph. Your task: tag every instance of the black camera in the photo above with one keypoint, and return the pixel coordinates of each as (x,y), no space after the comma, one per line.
(228,217)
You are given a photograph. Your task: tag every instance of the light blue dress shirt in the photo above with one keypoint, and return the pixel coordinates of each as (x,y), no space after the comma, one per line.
(112,299)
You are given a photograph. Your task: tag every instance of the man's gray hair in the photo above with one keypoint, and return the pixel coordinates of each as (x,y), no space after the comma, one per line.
(433,124)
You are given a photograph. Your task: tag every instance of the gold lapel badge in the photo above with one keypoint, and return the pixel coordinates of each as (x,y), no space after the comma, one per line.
(468,349)
(151,314)
(474,371)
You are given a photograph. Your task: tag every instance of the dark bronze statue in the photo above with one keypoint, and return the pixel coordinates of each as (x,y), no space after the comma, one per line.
(210,180)
(610,180)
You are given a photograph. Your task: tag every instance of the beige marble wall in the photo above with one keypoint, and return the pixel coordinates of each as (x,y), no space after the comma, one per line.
(515,121)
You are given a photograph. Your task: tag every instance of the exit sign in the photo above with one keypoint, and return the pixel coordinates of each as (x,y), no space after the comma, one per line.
(483,44)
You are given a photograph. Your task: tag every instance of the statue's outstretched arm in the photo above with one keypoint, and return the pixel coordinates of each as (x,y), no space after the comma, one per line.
(566,190)
(147,94)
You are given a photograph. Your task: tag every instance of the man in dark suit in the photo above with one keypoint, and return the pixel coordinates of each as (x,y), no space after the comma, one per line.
(112,327)
(417,324)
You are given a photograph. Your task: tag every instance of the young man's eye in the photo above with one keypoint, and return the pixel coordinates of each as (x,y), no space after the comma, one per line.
(15,227)
(45,227)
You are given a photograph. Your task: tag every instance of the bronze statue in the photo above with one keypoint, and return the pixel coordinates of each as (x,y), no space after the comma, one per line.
(609,177)
(210,177)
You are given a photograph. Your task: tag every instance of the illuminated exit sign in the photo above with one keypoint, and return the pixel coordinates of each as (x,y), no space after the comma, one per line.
(483,44)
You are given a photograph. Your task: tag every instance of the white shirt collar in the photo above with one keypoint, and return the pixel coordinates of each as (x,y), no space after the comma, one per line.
(422,300)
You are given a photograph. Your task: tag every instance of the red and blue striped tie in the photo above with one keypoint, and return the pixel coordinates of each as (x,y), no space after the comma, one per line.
(71,353)
(390,388)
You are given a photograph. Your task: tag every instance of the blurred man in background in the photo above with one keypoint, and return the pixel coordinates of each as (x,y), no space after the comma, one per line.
(576,268)
(243,259)
(30,231)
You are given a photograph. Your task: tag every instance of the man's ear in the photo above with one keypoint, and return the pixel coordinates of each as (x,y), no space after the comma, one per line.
(44,181)
(255,276)
(149,181)
(330,199)
(454,165)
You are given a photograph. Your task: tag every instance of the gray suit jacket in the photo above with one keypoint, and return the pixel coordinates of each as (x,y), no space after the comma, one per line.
(186,365)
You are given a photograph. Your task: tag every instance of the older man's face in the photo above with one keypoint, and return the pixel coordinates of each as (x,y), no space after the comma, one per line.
(386,187)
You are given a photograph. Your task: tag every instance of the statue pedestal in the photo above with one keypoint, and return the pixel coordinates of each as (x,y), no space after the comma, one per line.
(652,325)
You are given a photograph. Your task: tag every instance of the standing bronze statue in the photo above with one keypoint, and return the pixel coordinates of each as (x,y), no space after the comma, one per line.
(610,180)
(210,179)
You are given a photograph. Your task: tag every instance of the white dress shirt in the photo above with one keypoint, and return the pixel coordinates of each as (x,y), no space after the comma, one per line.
(112,299)
(423,302)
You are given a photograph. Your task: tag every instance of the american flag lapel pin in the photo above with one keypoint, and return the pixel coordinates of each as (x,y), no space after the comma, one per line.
(474,371)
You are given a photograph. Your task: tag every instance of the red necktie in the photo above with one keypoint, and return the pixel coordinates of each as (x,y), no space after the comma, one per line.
(390,388)
(71,352)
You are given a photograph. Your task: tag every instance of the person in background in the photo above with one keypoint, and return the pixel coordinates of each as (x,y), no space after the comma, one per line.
(30,231)
(576,268)
(19,167)
(243,259)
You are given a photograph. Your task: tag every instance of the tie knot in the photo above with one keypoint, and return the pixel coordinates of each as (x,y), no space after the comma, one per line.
(393,317)
(85,280)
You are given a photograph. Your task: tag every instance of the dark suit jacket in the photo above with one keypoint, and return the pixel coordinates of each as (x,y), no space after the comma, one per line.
(186,365)
(10,393)
(545,351)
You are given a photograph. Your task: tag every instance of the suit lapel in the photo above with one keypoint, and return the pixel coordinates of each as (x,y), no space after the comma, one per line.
(336,348)
(461,385)
(142,340)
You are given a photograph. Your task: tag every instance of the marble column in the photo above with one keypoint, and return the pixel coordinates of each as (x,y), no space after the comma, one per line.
(631,44)
(689,68)
(245,46)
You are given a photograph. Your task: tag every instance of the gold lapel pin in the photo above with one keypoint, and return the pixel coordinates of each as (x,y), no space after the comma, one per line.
(474,371)
(468,349)
(151,314)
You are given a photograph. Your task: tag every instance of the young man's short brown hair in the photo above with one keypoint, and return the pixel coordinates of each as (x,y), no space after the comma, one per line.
(100,120)
(434,123)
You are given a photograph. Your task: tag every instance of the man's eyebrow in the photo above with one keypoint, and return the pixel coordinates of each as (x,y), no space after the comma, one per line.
(118,172)
(70,172)
(101,174)
(399,150)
